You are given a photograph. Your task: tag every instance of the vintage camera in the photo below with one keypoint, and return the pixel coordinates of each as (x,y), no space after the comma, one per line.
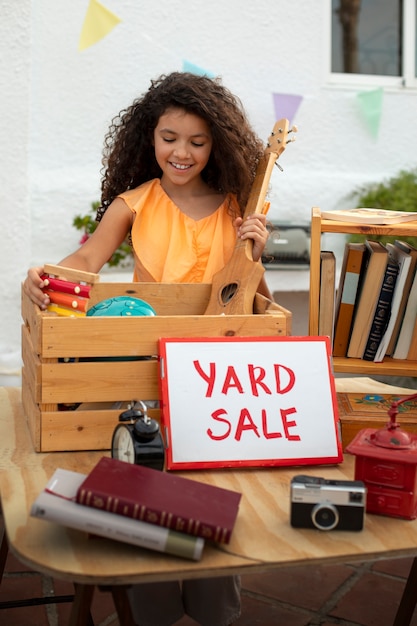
(327,504)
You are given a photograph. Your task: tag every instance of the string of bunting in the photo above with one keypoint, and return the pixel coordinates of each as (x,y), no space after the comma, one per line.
(99,21)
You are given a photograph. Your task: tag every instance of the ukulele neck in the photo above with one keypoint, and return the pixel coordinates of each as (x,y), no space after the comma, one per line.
(256,201)
(260,185)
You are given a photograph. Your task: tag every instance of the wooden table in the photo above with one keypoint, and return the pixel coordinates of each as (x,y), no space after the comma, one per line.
(263,538)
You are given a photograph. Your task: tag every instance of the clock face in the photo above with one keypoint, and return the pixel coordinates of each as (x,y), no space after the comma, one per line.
(122,445)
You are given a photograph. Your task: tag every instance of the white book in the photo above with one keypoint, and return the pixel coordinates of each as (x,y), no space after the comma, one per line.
(404,260)
(407,326)
(56,503)
(370,216)
(412,251)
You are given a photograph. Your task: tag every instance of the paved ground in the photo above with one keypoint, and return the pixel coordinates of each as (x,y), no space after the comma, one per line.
(360,594)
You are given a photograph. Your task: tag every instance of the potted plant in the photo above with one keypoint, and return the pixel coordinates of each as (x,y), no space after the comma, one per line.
(398,193)
(122,257)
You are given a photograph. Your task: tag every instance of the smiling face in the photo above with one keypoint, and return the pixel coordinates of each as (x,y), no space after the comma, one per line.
(182,146)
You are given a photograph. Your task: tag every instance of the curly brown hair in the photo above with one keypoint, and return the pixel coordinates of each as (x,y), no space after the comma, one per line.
(129,157)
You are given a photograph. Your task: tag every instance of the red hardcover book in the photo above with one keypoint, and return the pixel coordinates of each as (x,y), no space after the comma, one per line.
(161,498)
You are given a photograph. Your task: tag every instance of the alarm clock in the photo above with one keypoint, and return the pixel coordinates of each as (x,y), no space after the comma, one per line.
(137,438)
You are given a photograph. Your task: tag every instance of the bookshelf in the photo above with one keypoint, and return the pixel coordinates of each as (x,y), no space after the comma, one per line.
(344,365)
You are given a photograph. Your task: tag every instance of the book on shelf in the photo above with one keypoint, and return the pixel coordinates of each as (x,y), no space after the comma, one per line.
(404,260)
(371,283)
(161,498)
(353,257)
(412,351)
(382,310)
(370,216)
(403,344)
(409,249)
(56,503)
(327,293)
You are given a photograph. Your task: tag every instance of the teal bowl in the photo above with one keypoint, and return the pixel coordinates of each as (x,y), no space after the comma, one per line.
(122,306)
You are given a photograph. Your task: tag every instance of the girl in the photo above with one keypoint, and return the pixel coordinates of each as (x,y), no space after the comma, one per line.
(187,157)
(179,165)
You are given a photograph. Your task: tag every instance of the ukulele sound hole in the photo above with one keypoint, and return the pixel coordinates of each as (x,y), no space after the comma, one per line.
(228,292)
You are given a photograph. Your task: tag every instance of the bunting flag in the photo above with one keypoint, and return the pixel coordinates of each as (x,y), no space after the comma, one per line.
(286,106)
(195,69)
(370,103)
(98,23)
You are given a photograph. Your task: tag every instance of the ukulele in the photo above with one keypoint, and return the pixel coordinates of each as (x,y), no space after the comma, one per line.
(234,287)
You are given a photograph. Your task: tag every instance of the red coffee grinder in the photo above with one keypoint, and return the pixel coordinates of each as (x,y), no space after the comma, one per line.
(386,461)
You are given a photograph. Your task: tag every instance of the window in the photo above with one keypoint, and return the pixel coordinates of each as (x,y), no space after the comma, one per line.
(374,42)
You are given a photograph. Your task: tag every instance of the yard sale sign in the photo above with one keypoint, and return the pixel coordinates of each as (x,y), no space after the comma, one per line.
(248,401)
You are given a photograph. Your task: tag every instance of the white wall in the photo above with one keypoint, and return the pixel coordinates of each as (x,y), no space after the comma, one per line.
(56,104)
(15,218)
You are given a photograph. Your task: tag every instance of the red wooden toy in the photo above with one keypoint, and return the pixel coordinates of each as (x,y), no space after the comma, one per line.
(386,461)
(68,290)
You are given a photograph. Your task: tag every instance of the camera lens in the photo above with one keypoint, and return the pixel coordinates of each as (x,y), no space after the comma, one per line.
(325,516)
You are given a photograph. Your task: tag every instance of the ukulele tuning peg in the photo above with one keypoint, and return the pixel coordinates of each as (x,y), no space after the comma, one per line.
(293,129)
(277,141)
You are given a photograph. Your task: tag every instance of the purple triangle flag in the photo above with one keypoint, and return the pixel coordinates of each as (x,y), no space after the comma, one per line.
(286,105)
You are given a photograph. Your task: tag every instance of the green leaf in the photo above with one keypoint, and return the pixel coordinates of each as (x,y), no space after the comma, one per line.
(87,224)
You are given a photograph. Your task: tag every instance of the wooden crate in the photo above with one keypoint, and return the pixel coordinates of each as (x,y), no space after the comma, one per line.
(62,366)
(364,410)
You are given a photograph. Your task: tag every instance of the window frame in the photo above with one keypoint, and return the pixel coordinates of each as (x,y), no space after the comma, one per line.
(408,78)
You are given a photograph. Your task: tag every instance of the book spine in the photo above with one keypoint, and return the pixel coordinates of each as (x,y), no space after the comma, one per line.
(368,292)
(145,514)
(349,283)
(406,247)
(407,324)
(412,351)
(382,312)
(404,261)
(327,293)
(68,513)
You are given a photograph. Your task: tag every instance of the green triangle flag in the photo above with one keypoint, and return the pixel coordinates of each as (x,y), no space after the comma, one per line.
(370,103)
(98,22)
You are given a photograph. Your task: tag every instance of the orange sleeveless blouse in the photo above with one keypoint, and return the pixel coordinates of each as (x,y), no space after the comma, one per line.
(170,246)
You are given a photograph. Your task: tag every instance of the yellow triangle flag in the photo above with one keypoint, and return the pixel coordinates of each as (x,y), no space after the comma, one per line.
(98,22)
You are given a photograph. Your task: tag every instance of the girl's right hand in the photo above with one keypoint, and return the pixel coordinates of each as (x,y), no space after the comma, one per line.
(33,286)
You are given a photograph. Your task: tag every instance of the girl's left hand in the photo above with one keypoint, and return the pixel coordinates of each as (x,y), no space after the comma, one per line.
(253,227)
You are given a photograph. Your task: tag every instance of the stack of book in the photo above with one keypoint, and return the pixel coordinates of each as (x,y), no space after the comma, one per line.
(141,506)
(376,305)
